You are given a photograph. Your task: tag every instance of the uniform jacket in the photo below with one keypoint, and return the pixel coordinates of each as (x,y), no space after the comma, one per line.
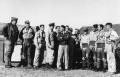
(93,35)
(11,32)
(101,37)
(27,33)
(63,38)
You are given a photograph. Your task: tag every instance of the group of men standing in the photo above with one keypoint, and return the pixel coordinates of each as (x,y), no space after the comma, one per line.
(63,47)
(101,42)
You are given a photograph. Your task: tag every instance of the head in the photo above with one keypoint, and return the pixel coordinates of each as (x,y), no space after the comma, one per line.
(27,23)
(14,20)
(86,31)
(57,28)
(95,27)
(37,28)
(67,28)
(62,28)
(42,27)
(100,27)
(76,31)
(108,26)
(51,26)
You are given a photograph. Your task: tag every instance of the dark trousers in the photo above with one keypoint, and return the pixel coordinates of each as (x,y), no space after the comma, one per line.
(27,49)
(101,55)
(9,48)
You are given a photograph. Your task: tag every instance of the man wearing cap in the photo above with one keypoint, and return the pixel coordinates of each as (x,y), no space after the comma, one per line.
(92,42)
(10,32)
(51,44)
(84,43)
(27,35)
(100,46)
(110,38)
(40,43)
(63,50)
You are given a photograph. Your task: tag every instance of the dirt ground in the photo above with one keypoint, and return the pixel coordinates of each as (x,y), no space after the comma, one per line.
(45,72)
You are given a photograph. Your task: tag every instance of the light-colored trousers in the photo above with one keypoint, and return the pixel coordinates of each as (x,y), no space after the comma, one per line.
(50,56)
(63,53)
(110,58)
(39,56)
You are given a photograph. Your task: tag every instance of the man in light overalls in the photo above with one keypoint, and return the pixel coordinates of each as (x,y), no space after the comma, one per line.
(84,43)
(39,42)
(111,36)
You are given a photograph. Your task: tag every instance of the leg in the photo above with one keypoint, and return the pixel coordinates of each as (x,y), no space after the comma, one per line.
(66,51)
(60,55)
(29,56)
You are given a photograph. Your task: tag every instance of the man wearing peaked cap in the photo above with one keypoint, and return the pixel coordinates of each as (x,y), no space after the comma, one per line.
(10,32)
(52,24)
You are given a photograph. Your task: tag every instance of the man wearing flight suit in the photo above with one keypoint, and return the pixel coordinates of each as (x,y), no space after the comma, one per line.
(63,38)
(110,37)
(100,46)
(40,43)
(51,44)
(27,35)
(10,32)
(92,42)
(84,43)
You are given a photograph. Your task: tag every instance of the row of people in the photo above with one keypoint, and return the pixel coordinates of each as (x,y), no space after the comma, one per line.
(101,43)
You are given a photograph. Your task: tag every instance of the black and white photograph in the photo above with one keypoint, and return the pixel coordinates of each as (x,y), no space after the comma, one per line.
(59,38)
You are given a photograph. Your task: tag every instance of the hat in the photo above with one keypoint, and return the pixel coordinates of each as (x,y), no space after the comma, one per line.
(52,24)
(95,25)
(63,26)
(27,22)
(14,19)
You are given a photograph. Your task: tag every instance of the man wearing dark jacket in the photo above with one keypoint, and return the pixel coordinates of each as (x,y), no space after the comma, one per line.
(63,38)
(10,32)
(27,35)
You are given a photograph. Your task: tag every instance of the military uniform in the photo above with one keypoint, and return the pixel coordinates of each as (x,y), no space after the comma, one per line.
(27,35)
(100,46)
(40,44)
(10,33)
(92,44)
(110,37)
(84,43)
(51,47)
(63,50)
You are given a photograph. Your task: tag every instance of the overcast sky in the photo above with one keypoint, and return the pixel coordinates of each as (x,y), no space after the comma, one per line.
(75,13)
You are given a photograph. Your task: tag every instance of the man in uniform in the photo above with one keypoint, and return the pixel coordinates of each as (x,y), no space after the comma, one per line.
(111,36)
(40,43)
(63,38)
(51,44)
(27,35)
(100,46)
(92,40)
(84,43)
(10,32)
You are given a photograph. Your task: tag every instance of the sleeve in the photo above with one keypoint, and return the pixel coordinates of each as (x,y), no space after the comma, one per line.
(114,35)
(35,39)
(60,37)
(20,34)
(5,31)
(67,36)
(33,33)
(17,34)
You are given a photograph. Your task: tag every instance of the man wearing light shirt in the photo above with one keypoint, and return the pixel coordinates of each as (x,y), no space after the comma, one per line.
(84,43)
(111,36)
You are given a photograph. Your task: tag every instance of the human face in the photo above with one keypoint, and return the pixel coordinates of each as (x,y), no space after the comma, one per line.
(27,24)
(67,28)
(108,27)
(42,28)
(61,29)
(51,27)
(14,22)
(99,28)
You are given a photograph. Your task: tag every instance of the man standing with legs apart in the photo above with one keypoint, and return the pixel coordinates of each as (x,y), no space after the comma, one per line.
(10,32)
(111,36)
(40,44)
(84,43)
(100,46)
(27,35)
(92,41)
(51,44)
(63,38)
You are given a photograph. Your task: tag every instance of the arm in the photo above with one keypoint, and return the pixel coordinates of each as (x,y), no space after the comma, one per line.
(52,40)
(5,31)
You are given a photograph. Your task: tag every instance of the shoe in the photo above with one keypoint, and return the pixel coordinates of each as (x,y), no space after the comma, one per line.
(36,67)
(29,66)
(59,69)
